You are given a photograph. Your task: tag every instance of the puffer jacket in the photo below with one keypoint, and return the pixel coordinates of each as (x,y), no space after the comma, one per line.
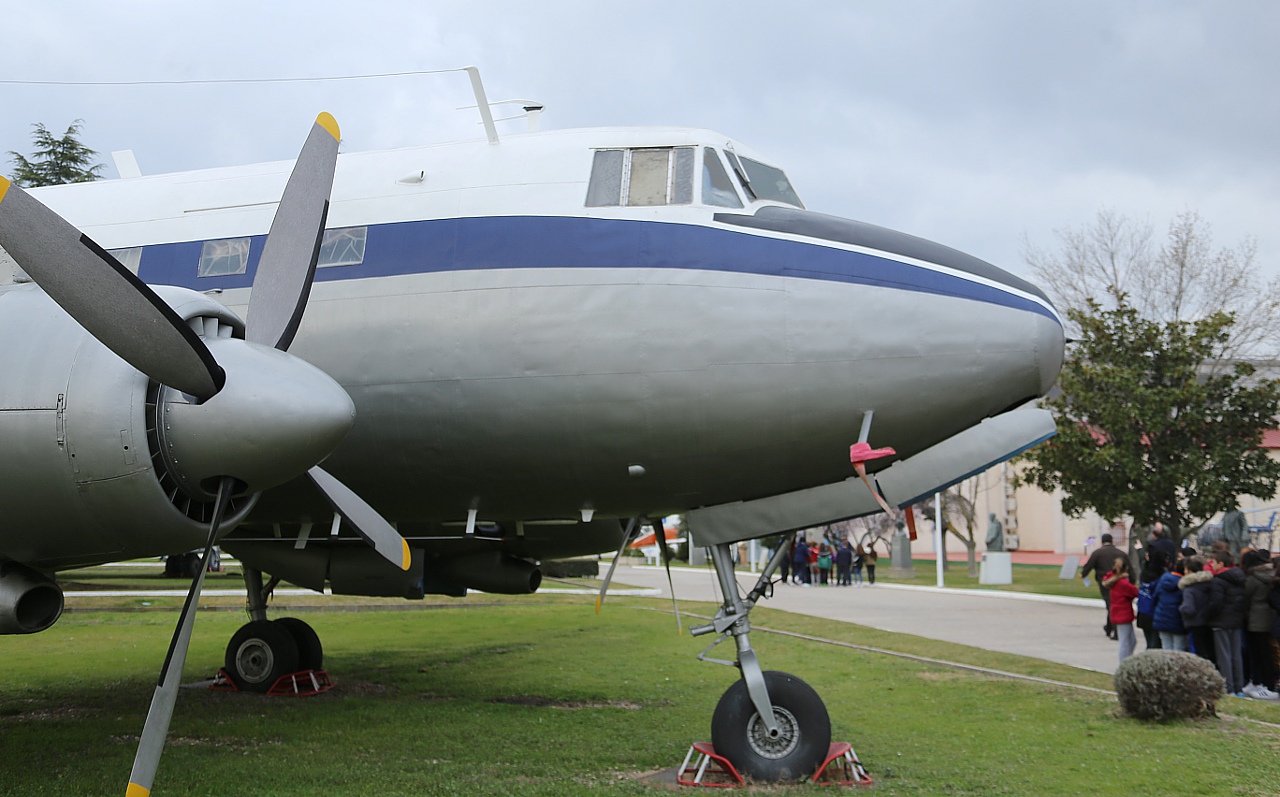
(1227,605)
(1273,600)
(1168,599)
(1195,599)
(1257,586)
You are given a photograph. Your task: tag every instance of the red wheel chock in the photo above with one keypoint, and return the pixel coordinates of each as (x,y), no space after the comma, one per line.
(303,683)
(703,767)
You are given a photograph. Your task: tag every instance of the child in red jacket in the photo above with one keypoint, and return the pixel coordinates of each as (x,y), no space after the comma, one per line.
(1123,592)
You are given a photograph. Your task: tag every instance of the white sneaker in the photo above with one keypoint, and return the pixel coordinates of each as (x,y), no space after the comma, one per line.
(1263,693)
(1249,690)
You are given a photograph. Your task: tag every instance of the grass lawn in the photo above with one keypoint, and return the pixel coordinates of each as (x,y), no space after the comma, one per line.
(1042,579)
(546,698)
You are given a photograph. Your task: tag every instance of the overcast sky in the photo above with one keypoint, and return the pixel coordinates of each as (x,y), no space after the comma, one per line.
(975,124)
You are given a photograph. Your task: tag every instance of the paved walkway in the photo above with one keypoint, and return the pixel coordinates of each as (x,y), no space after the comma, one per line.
(1063,630)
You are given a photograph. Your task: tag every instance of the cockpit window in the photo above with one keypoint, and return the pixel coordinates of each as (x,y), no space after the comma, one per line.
(769,182)
(641,177)
(717,188)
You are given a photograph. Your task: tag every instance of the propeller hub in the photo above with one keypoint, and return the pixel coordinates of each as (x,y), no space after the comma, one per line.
(276,417)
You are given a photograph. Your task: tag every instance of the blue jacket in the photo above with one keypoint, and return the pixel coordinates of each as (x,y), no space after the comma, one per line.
(1168,599)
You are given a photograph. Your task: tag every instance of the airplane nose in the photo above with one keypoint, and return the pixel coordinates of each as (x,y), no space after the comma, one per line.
(1050,351)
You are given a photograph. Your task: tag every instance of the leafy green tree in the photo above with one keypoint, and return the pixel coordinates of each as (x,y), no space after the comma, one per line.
(1146,428)
(56,161)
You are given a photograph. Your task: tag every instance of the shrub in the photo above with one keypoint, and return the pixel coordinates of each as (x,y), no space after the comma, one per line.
(1167,684)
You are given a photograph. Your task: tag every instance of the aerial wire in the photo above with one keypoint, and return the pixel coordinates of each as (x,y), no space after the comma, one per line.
(225,81)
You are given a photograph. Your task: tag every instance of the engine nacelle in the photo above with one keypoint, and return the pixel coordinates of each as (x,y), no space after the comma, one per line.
(29,602)
(491,571)
(80,482)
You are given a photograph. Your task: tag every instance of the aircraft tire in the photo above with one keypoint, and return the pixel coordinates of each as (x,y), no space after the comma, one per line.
(259,654)
(310,651)
(738,734)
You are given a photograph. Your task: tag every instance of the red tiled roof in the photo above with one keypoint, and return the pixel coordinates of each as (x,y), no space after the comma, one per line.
(1271,438)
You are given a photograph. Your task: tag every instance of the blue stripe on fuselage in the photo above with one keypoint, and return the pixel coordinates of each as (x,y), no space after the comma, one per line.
(503,242)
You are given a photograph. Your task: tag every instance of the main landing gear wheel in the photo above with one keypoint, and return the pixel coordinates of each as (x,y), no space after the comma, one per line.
(739,734)
(310,651)
(259,654)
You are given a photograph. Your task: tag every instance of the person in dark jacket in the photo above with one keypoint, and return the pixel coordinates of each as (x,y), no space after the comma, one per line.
(1152,570)
(800,562)
(1259,579)
(1160,542)
(1194,608)
(1165,617)
(1227,613)
(844,562)
(1099,563)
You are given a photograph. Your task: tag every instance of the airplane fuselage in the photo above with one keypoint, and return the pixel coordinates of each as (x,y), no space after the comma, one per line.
(515,348)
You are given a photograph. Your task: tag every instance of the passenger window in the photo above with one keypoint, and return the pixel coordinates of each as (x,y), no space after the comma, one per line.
(343,247)
(130,258)
(641,177)
(717,188)
(221,258)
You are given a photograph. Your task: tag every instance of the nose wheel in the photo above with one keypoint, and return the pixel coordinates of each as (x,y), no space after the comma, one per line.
(796,747)
(770,725)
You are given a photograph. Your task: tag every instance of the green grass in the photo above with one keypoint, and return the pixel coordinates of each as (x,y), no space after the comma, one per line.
(1041,579)
(546,698)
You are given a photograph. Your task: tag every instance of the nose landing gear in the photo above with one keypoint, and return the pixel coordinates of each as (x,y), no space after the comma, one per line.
(770,725)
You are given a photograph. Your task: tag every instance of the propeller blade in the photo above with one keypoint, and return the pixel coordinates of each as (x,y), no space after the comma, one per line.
(608,578)
(104,296)
(288,263)
(363,518)
(151,745)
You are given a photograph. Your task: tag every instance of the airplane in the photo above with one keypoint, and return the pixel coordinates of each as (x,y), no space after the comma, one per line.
(502,351)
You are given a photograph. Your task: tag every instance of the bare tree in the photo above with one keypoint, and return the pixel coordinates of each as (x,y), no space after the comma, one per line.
(1184,279)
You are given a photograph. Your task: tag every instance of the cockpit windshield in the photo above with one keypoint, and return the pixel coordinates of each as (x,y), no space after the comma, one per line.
(770,182)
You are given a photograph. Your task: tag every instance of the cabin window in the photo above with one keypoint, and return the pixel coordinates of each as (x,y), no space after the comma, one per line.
(641,177)
(343,247)
(769,182)
(717,188)
(220,258)
(130,258)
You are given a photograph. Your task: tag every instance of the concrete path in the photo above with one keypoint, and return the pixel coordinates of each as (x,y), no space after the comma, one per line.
(1066,630)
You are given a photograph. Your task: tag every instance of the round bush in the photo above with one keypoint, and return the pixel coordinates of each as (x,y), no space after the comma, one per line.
(1167,684)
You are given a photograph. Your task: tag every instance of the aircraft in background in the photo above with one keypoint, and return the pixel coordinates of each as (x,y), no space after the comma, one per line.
(510,349)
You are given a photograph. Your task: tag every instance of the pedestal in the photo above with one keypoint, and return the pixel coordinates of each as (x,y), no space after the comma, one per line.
(997,568)
(900,556)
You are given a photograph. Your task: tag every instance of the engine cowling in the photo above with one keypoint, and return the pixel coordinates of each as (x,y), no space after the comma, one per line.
(79,480)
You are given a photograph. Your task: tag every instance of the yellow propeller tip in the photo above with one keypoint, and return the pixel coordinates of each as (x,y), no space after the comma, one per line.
(4,187)
(134,789)
(598,602)
(406,557)
(327,121)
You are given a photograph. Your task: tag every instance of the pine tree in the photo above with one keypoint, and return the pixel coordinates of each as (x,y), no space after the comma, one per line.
(56,161)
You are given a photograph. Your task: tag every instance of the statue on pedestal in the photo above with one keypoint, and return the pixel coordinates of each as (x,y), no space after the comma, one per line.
(995,535)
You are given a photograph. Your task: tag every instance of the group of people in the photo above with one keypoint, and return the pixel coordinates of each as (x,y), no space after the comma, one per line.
(1222,608)
(812,564)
